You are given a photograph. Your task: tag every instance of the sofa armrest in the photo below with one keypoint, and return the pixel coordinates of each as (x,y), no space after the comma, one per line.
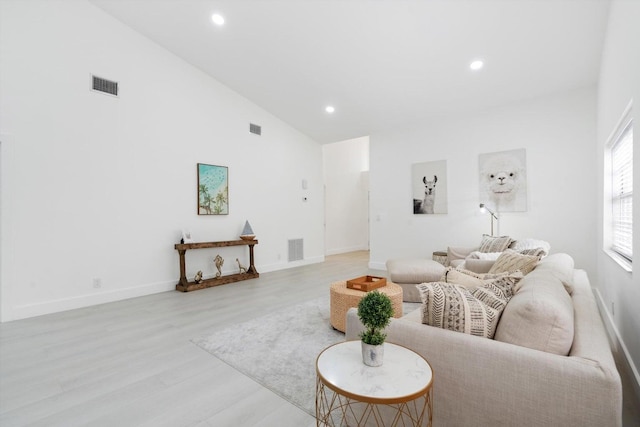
(478,381)
(455,253)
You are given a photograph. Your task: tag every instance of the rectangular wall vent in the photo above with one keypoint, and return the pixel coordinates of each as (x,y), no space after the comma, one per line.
(296,252)
(255,129)
(103,85)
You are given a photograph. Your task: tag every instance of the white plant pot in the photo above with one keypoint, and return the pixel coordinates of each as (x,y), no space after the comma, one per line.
(372,355)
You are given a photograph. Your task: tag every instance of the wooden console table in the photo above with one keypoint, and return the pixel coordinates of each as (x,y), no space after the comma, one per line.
(185,286)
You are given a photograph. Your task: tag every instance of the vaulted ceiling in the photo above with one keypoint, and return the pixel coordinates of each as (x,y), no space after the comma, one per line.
(380,63)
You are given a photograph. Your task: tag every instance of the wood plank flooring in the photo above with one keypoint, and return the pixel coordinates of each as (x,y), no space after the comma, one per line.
(131,363)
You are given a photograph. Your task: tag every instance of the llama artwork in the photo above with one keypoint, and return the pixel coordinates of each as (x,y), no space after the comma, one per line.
(503,181)
(429,187)
(425,206)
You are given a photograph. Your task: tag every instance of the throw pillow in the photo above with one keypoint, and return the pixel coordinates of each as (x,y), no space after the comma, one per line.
(460,309)
(511,261)
(470,279)
(464,278)
(539,252)
(524,244)
(494,244)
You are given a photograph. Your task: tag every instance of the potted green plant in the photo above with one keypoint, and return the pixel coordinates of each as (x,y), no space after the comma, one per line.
(375,311)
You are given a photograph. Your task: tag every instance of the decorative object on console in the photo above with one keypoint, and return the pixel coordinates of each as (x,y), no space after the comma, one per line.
(242,269)
(483,209)
(247,232)
(425,177)
(213,190)
(186,237)
(503,180)
(374,310)
(219,262)
(198,277)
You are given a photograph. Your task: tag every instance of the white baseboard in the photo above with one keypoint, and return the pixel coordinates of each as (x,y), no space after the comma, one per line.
(65,304)
(82,301)
(338,251)
(266,268)
(617,341)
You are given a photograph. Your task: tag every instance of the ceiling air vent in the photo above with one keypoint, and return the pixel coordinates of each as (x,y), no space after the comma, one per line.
(103,85)
(255,129)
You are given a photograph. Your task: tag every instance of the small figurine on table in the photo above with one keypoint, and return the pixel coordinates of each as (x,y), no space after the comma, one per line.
(198,278)
(218,261)
(242,269)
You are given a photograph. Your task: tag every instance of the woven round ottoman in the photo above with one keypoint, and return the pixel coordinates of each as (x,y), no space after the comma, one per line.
(343,298)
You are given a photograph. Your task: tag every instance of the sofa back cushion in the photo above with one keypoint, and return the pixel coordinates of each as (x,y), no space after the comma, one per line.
(561,266)
(540,314)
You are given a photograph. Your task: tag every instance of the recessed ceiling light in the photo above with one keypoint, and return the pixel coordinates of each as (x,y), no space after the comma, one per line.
(329,109)
(476,65)
(217,19)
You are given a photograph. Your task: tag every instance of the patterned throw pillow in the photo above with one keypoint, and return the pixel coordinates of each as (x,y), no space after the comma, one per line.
(494,244)
(539,252)
(471,311)
(511,261)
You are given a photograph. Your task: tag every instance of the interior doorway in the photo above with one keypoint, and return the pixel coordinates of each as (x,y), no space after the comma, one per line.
(346,179)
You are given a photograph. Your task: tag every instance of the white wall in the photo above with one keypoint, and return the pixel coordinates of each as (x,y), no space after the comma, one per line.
(99,187)
(346,177)
(619,83)
(558,134)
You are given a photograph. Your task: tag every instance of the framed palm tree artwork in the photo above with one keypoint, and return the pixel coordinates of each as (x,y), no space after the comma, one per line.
(213,189)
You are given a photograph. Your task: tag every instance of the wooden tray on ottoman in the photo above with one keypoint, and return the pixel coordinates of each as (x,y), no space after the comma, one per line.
(366,283)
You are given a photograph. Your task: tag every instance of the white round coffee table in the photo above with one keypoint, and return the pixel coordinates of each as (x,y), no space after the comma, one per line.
(348,392)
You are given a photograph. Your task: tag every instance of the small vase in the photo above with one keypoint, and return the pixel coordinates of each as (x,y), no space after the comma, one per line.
(372,355)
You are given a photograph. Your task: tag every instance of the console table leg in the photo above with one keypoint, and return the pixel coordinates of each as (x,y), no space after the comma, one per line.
(252,267)
(183,274)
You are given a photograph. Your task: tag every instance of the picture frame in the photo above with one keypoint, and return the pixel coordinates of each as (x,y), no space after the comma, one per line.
(503,180)
(213,189)
(426,178)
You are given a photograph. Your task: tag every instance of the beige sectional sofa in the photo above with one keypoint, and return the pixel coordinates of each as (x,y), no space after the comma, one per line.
(549,363)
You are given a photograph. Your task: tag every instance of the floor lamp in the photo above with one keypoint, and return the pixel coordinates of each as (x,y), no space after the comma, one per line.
(484,209)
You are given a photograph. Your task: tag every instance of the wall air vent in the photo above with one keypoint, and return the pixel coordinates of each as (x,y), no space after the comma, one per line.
(296,250)
(105,86)
(255,129)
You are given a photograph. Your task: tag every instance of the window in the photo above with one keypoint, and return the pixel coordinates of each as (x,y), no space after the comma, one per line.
(622,188)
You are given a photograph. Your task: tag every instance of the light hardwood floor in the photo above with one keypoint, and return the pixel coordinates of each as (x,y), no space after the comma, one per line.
(131,363)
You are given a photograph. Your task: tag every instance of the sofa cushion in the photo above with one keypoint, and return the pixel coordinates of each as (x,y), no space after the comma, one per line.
(511,260)
(539,316)
(414,270)
(494,244)
(473,311)
(561,265)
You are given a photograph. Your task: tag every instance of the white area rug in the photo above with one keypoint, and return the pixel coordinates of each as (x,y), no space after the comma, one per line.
(279,350)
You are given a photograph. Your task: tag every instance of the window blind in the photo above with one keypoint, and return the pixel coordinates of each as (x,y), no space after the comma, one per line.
(622,193)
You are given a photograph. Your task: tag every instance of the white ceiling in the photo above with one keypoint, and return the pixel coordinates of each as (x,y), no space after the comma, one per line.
(381,63)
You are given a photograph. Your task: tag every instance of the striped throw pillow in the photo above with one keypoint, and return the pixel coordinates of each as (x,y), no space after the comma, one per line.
(511,261)
(494,244)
